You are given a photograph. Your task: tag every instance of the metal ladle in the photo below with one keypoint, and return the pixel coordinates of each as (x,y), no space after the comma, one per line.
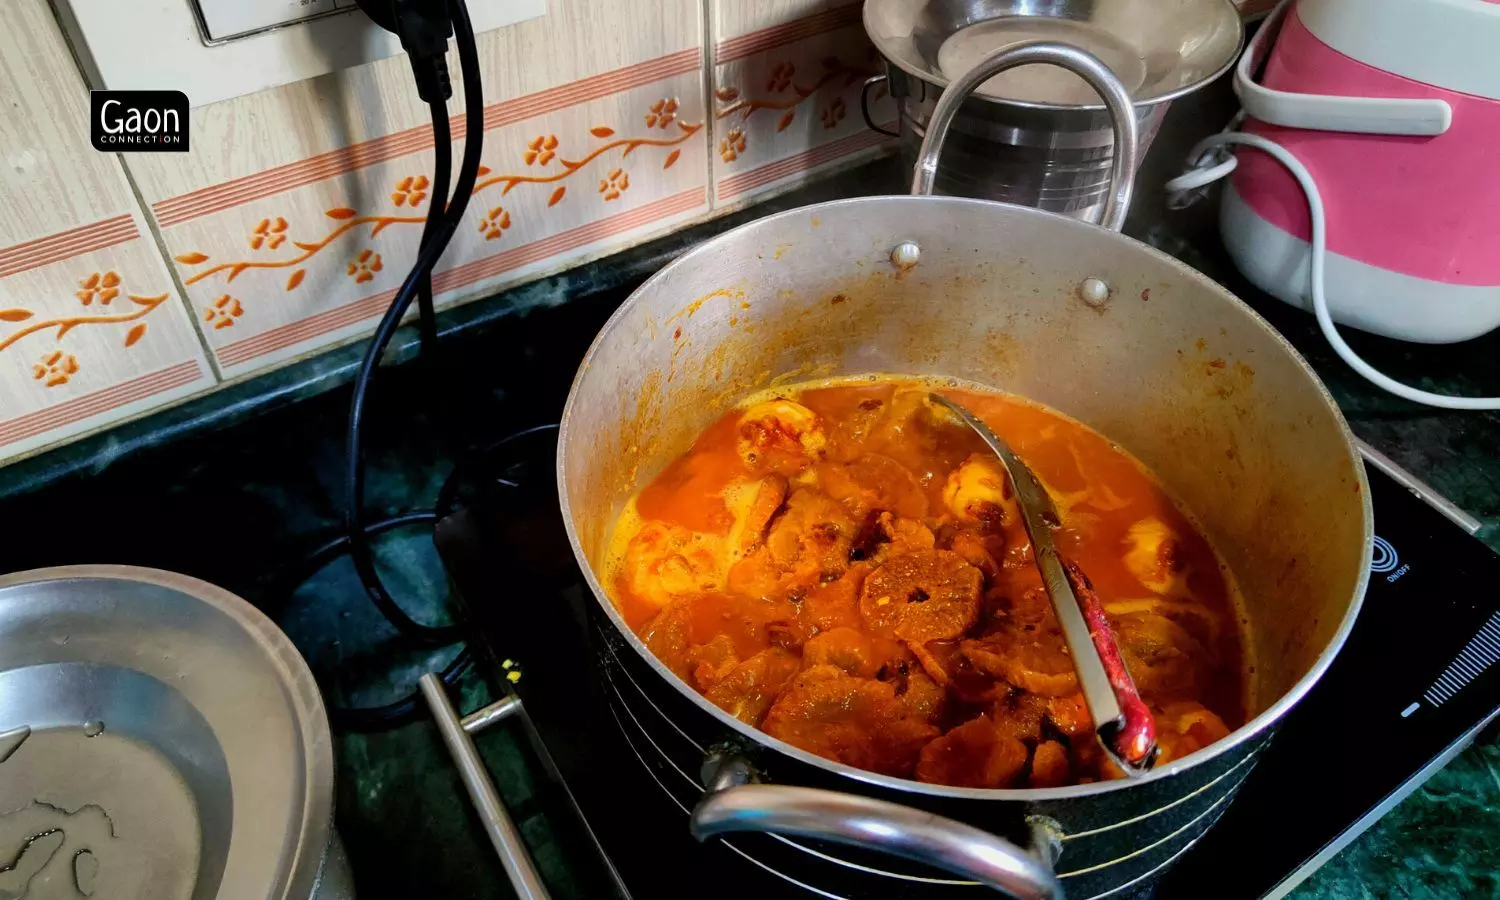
(1122,722)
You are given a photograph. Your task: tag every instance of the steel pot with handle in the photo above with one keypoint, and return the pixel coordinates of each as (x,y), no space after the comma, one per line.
(1036,136)
(1152,354)
(159,738)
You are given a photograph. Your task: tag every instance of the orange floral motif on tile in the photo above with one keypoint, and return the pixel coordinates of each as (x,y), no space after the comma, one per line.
(410,190)
(833,113)
(614,184)
(268,234)
(222,312)
(103,287)
(540,151)
(494,223)
(544,149)
(781,77)
(364,266)
(350,220)
(785,94)
(543,152)
(55,368)
(732,146)
(663,113)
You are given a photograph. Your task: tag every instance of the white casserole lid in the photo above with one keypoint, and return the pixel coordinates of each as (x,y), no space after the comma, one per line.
(1451,44)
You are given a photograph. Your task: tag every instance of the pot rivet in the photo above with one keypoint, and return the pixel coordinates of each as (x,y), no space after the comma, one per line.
(906,254)
(1093,292)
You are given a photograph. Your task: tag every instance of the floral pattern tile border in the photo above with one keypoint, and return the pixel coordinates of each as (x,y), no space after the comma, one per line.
(787,103)
(306,260)
(288,261)
(91,331)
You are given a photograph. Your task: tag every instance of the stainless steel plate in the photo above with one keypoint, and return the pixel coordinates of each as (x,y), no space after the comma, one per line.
(1160,49)
(159,739)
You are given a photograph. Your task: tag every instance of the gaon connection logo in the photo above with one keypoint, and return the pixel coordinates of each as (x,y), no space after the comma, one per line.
(138,121)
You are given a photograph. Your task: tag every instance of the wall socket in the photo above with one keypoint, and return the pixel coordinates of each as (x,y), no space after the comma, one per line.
(217,49)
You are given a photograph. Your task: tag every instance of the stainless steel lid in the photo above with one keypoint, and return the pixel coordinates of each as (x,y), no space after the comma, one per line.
(159,738)
(1160,49)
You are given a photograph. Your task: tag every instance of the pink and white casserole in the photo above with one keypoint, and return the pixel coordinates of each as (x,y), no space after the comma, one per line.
(1394,107)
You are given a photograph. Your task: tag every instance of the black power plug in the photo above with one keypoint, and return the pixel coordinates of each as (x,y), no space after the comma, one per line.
(424,27)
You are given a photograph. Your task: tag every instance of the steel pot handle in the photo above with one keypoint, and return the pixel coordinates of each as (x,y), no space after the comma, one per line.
(864,105)
(457,736)
(1325,112)
(734,805)
(1081,63)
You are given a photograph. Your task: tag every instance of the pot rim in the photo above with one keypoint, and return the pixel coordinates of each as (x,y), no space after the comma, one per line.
(941,82)
(1250,730)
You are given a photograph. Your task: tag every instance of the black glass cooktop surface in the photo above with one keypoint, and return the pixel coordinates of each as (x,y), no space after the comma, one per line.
(1413,685)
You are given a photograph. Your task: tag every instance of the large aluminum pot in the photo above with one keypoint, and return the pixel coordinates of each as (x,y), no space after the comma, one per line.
(1035,138)
(1152,354)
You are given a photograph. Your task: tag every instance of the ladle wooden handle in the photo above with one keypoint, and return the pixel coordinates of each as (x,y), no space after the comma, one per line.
(1134,741)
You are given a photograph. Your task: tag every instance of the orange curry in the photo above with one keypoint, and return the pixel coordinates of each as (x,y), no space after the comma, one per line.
(844,566)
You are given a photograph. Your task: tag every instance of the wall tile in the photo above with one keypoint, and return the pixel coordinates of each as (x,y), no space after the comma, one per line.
(299,212)
(303,266)
(92,330)
(295,217)
(787,81)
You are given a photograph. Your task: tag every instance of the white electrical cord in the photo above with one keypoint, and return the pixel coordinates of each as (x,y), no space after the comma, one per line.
(1199,177)
(1209,165)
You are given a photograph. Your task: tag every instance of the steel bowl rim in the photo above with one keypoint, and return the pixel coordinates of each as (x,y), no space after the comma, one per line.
(1258,725)
(315,830)
(941,82)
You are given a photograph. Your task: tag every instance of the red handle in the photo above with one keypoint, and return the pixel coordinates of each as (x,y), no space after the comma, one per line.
(1135,742)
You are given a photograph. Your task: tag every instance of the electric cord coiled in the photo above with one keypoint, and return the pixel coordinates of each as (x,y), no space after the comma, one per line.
(1208,167)
(444,215)
(354,475)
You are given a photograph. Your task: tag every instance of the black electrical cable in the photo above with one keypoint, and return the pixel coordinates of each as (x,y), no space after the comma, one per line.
(379,718)
(442,175)
(443,218)
(391,714)
(359,547)
(468,64)
(355,532)
(330,550)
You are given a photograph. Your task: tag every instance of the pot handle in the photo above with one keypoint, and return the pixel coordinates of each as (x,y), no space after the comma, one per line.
(864,105)
(734,805)
(1324,112)
(457,736)
(1081,63)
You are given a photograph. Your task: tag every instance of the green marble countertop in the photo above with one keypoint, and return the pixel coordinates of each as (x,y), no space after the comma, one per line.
(1441,842)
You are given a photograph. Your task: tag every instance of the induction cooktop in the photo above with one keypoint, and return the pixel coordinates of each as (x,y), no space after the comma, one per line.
(1414,685)
(1431,605)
